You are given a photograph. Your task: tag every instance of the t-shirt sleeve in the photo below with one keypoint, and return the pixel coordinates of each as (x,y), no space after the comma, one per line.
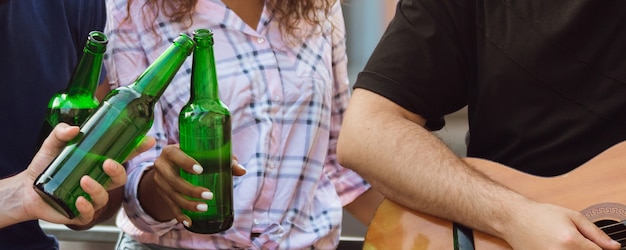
(422,62)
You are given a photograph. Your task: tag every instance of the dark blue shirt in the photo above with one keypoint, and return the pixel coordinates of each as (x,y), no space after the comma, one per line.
(40,44)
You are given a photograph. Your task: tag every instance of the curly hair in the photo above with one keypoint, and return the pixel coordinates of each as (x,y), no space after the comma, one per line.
(288,13)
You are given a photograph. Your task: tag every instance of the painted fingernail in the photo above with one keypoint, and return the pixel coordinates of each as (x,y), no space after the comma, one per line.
(207,195)
(241,166)
(197,168)
(202,207)
(186,223)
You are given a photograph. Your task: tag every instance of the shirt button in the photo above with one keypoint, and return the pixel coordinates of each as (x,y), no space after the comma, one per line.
(276,98)
(256,221)
(260,40)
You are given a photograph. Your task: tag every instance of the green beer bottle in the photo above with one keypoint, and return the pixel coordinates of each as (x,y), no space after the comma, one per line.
(113,131)
(74,104)
(204,125)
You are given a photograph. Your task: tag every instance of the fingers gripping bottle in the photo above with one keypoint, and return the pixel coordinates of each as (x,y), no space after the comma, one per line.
(113,131)
(205,134)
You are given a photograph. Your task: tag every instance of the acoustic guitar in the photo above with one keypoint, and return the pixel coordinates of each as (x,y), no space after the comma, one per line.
(597,189)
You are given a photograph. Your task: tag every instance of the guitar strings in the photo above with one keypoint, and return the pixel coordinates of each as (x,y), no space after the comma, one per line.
(615,229)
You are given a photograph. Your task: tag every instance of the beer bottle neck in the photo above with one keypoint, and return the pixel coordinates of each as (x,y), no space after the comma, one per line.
(155,79)
(86,75)
(203,74)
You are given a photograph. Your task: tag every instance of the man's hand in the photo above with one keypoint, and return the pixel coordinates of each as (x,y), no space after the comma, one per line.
(36,208)
(536,224)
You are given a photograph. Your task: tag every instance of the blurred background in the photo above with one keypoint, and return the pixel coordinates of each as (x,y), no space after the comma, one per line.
(366,21)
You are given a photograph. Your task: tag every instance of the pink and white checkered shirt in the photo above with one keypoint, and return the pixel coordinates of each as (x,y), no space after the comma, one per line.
(287,103)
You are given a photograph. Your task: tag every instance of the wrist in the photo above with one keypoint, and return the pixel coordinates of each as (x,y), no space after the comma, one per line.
(15,193)
(150,200)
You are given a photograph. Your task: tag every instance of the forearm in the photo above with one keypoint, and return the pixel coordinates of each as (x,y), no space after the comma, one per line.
(103,89)
(364,207)
(151,200)
(115,203)
(11,202)
(411,166)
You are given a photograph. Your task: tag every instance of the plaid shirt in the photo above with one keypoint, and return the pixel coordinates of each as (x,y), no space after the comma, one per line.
(287,104)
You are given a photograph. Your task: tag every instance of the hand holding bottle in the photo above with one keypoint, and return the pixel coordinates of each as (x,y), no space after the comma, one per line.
(26,204)
(204,130)
(113,131)
(173,189)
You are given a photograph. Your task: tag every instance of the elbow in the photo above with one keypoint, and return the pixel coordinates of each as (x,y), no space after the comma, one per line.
(341,159)
(343,150)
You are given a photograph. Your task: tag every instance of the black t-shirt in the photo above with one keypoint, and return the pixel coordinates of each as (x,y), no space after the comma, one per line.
(40,43)
(544,81)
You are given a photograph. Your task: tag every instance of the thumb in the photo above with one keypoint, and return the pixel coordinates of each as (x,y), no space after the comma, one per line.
(54,143)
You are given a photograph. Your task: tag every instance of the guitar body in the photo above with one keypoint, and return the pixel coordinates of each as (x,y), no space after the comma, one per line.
(597,189)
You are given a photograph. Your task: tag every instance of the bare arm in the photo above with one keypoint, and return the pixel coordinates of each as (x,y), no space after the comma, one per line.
(150,200)
(103,89)
(396,152)
(389,147)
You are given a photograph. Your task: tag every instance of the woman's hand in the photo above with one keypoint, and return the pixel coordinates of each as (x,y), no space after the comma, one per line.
(175,190)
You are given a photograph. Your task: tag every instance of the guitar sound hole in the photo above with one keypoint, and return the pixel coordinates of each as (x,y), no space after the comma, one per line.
(615,229)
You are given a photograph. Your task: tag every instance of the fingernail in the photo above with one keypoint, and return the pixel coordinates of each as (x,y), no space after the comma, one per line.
(202,207)
(198,169)
(207,195)
(241,166)
(186,223)
(88,183)
(66,128)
